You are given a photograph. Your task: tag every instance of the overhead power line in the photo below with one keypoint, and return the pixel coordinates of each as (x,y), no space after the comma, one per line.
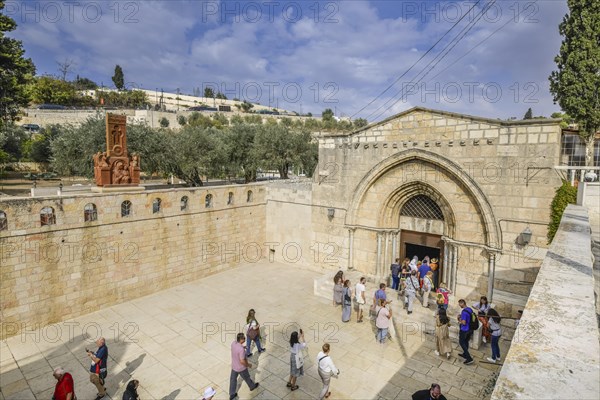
(416,62)
(435,61)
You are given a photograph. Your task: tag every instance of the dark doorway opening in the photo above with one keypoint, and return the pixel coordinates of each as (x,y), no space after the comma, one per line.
(421,251)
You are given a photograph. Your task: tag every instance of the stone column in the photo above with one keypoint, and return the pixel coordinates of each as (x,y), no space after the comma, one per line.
(446,263)
(454,267)
(394,246)
(491,273)
(386,258)
(378,264)
(351,248)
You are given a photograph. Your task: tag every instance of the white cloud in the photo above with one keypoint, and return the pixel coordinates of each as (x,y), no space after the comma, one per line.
(182,44)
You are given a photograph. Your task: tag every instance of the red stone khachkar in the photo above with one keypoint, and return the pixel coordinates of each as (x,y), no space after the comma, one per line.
(115,167)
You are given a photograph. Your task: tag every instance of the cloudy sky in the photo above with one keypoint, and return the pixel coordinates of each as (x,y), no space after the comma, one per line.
(351,56)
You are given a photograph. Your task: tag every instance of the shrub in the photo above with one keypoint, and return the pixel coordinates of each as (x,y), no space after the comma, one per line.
(565,195)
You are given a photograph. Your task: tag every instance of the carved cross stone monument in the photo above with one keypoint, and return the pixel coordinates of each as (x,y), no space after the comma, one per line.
(115,167)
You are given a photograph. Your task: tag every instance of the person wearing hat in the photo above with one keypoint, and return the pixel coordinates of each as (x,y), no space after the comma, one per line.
(209,393)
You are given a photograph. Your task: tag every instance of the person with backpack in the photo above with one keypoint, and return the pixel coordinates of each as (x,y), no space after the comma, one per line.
(468,323)
(395,269)
(494,327)
(98,369)
(411,285)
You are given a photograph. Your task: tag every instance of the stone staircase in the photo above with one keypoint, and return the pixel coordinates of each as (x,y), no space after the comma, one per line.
(424,317)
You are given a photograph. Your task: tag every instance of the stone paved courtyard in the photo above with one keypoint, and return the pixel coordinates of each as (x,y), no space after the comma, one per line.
(176,342)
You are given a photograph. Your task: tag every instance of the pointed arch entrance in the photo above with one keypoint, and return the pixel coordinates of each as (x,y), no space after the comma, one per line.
(423,185)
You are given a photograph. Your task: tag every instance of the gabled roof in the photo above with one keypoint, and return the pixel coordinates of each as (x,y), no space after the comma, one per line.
(545,121)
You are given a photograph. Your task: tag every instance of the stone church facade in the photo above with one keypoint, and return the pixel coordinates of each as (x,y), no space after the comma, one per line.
(463,189)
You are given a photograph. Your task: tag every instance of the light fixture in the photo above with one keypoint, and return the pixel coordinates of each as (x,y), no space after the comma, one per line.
(525,237)
(330,213)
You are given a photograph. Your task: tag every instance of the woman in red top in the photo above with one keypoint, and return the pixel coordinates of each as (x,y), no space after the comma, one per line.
(65,389)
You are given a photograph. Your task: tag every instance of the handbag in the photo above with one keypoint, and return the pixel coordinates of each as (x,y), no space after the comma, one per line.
(299,359)
(252,333)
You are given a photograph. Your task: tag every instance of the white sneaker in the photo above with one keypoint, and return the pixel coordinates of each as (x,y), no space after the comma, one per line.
(448,356)
(491,360)
(437,353)
(484,340)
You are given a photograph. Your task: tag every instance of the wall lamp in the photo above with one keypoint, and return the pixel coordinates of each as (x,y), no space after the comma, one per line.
(524,237)
(330,213)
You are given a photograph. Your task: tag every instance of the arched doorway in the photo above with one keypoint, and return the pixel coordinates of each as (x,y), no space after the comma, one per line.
(421,226)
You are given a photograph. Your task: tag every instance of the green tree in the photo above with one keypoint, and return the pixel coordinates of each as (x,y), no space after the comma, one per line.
(246,107)
(241,157)
(46,89)
(164,122)
(13,139)
(566,119)
(85,84)
(73,148)
(528,114)
(200,120)
(41,149)
(360,122)
(575,84)
(15,72)
(221,96)
(118,78)
(565,195)
(195,153)
(281,148)
(209,92)
(327,114)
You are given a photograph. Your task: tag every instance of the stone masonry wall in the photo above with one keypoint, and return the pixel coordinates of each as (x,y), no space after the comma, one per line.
(52,273)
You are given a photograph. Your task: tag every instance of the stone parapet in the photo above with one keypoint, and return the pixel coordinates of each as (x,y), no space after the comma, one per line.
(555,351)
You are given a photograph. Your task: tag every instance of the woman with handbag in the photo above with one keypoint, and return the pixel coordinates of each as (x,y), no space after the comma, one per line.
(252,333)
(327,369)
(347,302)
(297,344)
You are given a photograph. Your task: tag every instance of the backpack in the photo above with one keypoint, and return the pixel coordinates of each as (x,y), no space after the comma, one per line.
(474,321)
(440,299)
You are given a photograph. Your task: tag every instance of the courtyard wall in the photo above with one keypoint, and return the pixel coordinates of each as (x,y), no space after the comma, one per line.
(57,272)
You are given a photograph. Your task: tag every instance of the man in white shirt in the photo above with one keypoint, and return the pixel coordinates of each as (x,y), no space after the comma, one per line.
(360,298)
(326,369)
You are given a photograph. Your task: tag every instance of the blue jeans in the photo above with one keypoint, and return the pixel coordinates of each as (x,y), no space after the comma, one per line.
(249,345)
(495,347)
(395,282)
(382,334)
(463,340)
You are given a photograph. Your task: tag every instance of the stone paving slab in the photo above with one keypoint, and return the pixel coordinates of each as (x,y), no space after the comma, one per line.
(176,342)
